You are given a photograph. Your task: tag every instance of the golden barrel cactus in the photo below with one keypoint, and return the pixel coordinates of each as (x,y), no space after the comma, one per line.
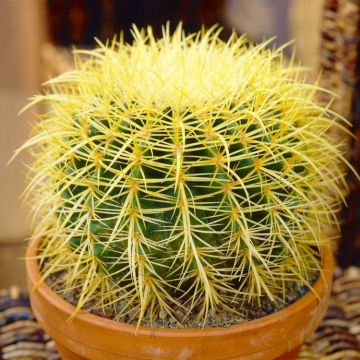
(184,172)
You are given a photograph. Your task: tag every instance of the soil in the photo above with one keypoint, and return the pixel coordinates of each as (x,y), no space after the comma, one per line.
(221,318)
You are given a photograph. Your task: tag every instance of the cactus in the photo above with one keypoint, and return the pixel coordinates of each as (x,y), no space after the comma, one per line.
(185,172)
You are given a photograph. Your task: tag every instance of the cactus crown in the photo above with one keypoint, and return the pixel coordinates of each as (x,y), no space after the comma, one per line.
(183,171)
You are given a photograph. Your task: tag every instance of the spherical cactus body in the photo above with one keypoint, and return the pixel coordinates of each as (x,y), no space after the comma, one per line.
(182,173)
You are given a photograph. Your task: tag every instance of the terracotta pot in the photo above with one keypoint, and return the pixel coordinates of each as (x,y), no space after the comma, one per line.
(276,336)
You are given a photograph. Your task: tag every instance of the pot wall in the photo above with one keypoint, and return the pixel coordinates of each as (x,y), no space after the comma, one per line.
(93,337)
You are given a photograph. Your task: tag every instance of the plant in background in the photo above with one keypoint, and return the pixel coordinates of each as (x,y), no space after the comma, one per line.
(182,173)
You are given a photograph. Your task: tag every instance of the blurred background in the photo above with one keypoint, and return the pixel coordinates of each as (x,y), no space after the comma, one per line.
(36,38)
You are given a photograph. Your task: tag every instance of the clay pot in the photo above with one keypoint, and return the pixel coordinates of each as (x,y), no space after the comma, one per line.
(276,336)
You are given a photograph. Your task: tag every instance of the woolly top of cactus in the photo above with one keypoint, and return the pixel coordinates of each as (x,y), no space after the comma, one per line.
(182,172)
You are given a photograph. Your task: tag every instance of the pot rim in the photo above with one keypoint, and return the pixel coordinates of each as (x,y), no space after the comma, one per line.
(323,282)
